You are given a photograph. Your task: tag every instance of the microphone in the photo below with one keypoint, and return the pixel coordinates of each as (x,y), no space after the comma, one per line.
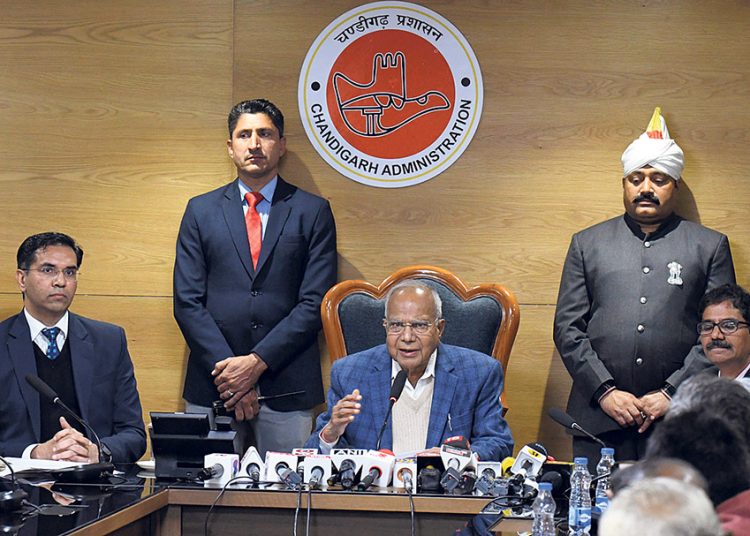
(408,480)
(529,460)
(348,462)
(404,472)
(428,479)
(281,467)
(565,420)
(488,472)
(316,476)
(505,466)
(346,473)
(396,389)
(252,465)
(378,465)
(317,470)
(302,454)
(219,468)
(372,474)
(11,500)
(50,395)
(456,456)
(288,475)
(207,473)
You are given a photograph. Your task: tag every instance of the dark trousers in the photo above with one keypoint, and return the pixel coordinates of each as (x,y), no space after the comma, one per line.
(629,445)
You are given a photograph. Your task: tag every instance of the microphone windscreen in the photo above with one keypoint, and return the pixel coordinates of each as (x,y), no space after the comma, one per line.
(42,388)
(560,417)
(398,385)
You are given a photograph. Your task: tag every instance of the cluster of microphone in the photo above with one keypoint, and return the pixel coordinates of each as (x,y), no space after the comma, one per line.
(455,471)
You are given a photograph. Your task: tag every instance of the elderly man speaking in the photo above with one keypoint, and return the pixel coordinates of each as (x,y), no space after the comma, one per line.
(450,391)
(628,301)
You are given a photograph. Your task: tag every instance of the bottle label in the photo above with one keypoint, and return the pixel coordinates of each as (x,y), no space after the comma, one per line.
(601,504)
(579,518)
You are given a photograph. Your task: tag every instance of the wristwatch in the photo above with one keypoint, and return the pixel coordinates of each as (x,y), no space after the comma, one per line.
(669,390)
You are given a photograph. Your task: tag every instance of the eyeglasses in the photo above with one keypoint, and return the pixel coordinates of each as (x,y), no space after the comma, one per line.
(395,327)
(50,272)
(726,326)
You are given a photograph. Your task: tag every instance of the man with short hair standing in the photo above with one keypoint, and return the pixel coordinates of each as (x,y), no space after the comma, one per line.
(84,361)
(254,259)
(628,301)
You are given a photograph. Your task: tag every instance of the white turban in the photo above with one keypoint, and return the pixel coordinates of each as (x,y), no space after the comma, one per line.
(654,148)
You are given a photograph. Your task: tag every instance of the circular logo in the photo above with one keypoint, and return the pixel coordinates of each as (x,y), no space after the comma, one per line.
(390,94)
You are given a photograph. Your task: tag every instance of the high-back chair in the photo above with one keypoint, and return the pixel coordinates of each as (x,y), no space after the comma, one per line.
(484,318)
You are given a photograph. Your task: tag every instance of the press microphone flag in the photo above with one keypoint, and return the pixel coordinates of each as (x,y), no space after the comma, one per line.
(252,465)
(377,467)
(529,460)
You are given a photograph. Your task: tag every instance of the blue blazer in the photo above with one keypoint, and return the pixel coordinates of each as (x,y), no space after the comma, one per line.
(465,401)
(104,383)
(226,308)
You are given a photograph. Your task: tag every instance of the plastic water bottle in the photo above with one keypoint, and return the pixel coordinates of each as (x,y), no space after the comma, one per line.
(579,512)
(603,469)
(544,511)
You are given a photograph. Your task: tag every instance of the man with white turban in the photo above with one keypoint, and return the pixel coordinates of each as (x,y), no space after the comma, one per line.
(628,302)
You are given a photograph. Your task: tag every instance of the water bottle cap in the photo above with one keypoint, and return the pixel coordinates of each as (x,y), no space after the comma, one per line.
(607,451)
(581,460)
(545,486)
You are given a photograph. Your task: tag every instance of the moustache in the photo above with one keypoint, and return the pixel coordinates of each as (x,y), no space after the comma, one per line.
(717,344)
(646,197)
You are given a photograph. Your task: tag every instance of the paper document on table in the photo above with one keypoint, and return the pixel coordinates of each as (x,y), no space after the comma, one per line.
(24,464)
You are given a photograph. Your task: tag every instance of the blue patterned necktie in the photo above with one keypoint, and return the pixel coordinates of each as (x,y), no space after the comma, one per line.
(53,352)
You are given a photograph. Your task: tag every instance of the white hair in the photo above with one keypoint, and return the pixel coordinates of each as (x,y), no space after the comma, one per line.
(415,283)
(660,507)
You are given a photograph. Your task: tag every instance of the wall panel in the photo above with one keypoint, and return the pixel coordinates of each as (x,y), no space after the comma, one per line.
(567,86)
(113,115)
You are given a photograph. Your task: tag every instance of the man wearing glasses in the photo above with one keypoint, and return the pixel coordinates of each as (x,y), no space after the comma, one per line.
(724,331)
(84,361)
(628,301)
(450,391)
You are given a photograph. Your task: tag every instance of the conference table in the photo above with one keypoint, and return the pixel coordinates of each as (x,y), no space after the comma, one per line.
(145,506)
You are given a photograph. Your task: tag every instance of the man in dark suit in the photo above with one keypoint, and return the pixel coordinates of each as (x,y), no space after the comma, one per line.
(86,363)
(450,391)
(628,302)
(725,332)
(254,259)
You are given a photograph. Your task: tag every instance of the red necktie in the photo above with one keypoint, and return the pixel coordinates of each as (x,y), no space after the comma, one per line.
(253,224)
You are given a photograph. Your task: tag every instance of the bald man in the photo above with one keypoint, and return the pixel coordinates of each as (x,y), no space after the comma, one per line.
(449,391)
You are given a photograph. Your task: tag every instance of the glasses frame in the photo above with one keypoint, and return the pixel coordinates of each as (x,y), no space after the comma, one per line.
(718,324)
(388,323)
(55,272)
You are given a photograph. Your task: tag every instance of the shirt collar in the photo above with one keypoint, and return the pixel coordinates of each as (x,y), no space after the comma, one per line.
(742,374)
(36,327)
(667,225)
(429,371)
(267,191)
